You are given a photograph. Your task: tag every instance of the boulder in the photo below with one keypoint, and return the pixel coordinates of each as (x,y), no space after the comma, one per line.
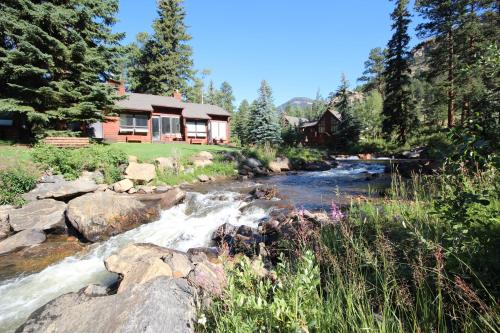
(209,278)
(100,215)
(162,200)
(280,164)
(161,305)
(203,178)
(163,189)
(274,167)
(94,176)
(123,186)
(365,157)
(133,190)
(41,214)
(202,163)
(21,240)
(166,163)
(5,229)
(146,189)
(140,173)
(51,179)
(252,163)
(62,190)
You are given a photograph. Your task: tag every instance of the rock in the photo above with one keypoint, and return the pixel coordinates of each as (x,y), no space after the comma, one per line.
(140,173)
(317,166)
(166,163)
(132,191)
(102,187)
(199,254)
(22,239)
(61,190)
(138,264)
(203,178)
(123,186)
(204,155)
(145,189)
(280,164)
(365,157)
(100,215)
(202,163)
(5,229)
(51,179)
(41,214)
(162,200)
(161,305)
(209,278)
(163,189)
(94,176)
(252,163)
(132,159)
(94,290)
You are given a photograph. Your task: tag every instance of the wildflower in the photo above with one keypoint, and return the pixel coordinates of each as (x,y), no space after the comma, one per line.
(202,320)
(336,213)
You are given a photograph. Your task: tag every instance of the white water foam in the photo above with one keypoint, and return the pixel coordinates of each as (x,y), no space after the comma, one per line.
(182,227)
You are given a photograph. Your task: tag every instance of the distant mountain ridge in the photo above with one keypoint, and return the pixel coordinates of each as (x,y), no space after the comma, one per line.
(301,102)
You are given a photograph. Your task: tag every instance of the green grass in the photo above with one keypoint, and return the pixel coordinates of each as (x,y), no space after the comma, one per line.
(147,152)
(217,169)
(12,152)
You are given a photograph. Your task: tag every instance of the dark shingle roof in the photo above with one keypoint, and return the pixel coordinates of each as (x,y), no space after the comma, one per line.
(146,102)
(295,121)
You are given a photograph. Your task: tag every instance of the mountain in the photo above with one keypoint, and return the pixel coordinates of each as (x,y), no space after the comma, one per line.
(301,102)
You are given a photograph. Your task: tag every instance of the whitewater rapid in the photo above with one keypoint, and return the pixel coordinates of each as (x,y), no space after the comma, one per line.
(185,226)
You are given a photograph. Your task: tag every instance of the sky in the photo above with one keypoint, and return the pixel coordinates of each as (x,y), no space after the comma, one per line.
(298,46)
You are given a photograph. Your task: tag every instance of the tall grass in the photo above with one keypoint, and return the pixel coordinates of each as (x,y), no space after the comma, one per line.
(384,267)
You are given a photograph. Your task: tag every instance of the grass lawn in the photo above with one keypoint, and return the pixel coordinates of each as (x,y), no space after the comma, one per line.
(147,152)
(9,152)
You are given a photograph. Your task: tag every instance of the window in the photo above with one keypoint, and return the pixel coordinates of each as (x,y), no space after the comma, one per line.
(6,119)
(321,126)
(197,128)
(333,126)
(130,123)
(219,130)
(170,125)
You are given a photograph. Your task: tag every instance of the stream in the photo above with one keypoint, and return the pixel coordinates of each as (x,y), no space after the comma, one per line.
(185,226)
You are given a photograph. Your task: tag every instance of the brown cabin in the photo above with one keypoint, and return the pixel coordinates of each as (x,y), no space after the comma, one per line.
(320,132)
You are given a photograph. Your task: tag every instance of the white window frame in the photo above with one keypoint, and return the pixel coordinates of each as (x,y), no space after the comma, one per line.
(199,131)
(134,128)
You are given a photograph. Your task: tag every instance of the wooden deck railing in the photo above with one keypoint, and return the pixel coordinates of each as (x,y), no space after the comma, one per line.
(67,142)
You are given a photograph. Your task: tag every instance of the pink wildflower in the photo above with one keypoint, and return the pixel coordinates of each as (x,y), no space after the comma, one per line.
(336,213)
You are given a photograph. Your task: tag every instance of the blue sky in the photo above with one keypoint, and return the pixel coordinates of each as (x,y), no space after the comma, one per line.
(298,46)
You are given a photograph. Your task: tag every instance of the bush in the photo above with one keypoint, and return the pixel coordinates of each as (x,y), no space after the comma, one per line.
(15,181)
(71,162)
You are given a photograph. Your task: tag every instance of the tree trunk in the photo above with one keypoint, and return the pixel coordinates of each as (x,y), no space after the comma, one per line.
(451,83)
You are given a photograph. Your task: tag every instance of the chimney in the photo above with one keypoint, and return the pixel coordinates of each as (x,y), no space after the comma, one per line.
(178,96)
(118,85)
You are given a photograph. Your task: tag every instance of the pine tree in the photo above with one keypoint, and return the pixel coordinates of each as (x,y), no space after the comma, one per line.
(349,128)
(55,59)
(241,120)
(398,112)
(374,71)
(318,107)
(264,125)
(165,64)
(213,95)
(226,97)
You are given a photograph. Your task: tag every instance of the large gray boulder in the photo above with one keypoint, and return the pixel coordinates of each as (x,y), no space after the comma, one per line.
(123,186)
(160,305)
(41,214)
(100,215)
(61,190)
(280,164)
(5,229)
(140,173)
(21,240)
(162,200)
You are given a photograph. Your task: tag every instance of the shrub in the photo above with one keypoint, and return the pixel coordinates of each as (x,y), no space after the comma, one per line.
(218,168)
(15,181)
(71,162)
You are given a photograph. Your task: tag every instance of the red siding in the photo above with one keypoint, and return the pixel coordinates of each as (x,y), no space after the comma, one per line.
(111,132)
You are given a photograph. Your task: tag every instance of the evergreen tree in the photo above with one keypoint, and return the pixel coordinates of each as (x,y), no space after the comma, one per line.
(374,71)
(164,64)
(349,129)
(318,107)
(213,95)
(226,97)
(55,59)
(194,93)
(264,125)
(241,120)
(369,114)
(398,112)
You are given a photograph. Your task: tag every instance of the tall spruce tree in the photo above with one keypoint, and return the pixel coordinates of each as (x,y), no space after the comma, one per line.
(241,120)
(398,112)
(165,63)
(349,129)
(213,95)
(226,97)
(264,124)
(373,75)
(55,59)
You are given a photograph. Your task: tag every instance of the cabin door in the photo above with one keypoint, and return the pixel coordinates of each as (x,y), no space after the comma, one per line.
(156,128)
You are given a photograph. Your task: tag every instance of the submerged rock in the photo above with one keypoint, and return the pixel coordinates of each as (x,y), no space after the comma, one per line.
(21,240)
(100,215)
(162,200)
(41,214)
(160,305)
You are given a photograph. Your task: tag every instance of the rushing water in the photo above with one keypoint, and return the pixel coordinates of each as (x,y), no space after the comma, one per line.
(182,227)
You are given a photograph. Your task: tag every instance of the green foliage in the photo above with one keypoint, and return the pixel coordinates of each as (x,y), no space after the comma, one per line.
(71,162)
(373,76)
(264,124)
(162,63)
(219,168)
(369,113)
(15,181)
(291,135)
(241,121)
(55,58)
(264,153)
